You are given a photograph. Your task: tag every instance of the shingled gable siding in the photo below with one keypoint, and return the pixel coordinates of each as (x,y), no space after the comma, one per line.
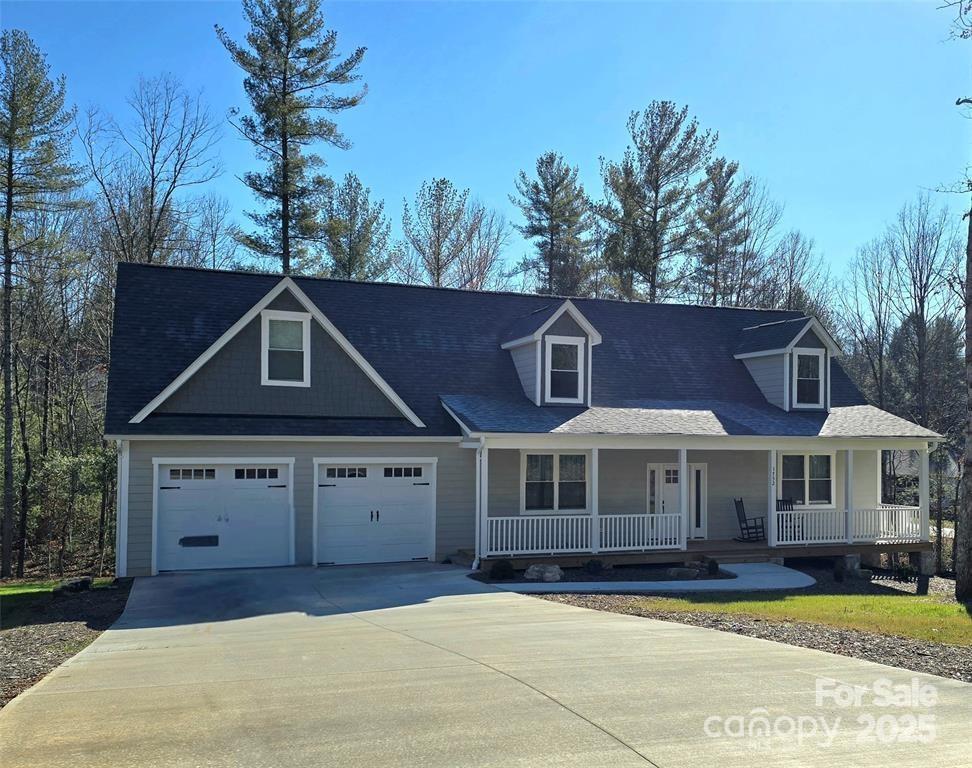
(455,487)
(230,382)
(770,376)
(623,482)
(525,360)
(565,325)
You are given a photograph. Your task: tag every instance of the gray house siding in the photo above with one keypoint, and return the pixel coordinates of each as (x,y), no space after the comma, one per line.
(770,376)
(230,382)
(455,486)
(810,340)
(525,360)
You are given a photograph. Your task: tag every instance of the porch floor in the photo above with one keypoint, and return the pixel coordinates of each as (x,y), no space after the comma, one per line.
(723,550)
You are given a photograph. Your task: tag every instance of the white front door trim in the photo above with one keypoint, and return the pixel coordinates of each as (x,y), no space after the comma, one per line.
(221,460)
(320,461)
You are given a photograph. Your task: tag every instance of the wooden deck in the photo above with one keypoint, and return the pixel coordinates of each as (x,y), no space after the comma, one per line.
(726,551)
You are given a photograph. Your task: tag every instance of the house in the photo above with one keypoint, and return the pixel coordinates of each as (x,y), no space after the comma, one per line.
(264,420)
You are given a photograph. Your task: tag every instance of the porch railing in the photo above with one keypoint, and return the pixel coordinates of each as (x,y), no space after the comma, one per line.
(639,532)
(538,534)
(888,523)
(810,526)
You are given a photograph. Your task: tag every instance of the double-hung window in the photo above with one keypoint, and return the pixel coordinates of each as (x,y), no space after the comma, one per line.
(285,354)
(554,482)
(807,479)
(808,378)
(564,369)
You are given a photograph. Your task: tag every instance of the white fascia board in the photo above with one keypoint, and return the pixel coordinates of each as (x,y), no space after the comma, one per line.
(286,283)
(465,430)
(296,438)
(518,342)
(763,353)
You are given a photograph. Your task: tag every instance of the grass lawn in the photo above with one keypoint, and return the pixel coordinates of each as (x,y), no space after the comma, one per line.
(920,617)
(19,599)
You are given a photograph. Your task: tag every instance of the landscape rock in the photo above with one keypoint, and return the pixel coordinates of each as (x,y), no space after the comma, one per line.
(543,572)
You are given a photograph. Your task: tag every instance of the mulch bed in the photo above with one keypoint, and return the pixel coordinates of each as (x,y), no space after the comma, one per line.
(616,573)
(952,661)
(53,632)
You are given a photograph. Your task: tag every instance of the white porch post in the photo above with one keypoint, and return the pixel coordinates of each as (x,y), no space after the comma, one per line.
(923,494)
(880,477)
(479,503)
(771,519)
(484,503)
(683,494)
(595,519)
(849,495)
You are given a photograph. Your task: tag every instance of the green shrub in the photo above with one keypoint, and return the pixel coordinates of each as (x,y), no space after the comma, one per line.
(594,566)
(712,568)
(501,570)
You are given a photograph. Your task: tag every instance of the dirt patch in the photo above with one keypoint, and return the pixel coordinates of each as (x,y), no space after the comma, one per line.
(52,631)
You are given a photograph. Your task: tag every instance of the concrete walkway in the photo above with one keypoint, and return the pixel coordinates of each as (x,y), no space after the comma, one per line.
(750,577)
(417,665)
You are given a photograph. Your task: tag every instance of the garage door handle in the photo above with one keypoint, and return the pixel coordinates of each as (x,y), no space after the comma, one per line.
(327,485)
(377,515)
(419,483)
(372,515)
(169,487)
(276,486)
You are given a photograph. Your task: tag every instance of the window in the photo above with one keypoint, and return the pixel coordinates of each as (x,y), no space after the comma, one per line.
(807,479)
(808,378)
(403,472)
(554,482)
(286,348)
(195,473)
(256,473)
(565,369)
(343,473)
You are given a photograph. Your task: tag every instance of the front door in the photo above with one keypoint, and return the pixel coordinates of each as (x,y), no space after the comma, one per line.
(663,494)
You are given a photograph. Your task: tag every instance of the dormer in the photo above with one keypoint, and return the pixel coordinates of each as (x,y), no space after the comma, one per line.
(552,351)
(790,362)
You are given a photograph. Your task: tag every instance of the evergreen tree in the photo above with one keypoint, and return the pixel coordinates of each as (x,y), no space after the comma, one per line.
(36,175)
(720,232)
(557,217)
(292,69)
(651,191)
(357,232)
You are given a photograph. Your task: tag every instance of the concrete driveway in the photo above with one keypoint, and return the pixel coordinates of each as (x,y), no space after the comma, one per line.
(418,665)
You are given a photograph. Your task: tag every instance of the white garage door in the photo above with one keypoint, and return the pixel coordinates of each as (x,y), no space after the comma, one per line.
(223,516)
(375,513)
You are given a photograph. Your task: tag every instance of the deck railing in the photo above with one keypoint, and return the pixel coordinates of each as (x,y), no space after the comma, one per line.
(810,526)
(538,534)
(888,523)
(628,533)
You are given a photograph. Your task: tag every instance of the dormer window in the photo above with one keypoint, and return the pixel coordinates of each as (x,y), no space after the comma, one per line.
(565,369)
(808,378)
(285,348)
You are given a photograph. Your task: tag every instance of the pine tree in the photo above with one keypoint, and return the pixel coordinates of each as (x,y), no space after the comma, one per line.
(36,175)
(292,69)
(650,192)
(720,231)
(557,216)
(357,232)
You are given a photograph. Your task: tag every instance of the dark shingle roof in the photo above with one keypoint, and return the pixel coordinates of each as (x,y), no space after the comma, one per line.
(770,336)
(429,342)
(528,324)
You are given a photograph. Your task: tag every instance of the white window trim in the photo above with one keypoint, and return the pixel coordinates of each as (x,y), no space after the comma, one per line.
(821,354)
(806,477)
(581,345)
(555,510)
(276,314)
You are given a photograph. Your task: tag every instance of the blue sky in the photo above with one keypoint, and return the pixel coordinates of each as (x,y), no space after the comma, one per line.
(844,110)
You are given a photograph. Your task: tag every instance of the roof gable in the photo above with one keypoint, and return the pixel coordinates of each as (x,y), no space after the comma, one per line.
(781,336)
(284,285)
(532,327)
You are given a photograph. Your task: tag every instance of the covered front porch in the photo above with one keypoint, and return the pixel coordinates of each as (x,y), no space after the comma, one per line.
(571,498)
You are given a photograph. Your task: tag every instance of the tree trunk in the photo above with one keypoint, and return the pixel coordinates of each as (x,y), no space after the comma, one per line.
(963,522)
(6,361)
